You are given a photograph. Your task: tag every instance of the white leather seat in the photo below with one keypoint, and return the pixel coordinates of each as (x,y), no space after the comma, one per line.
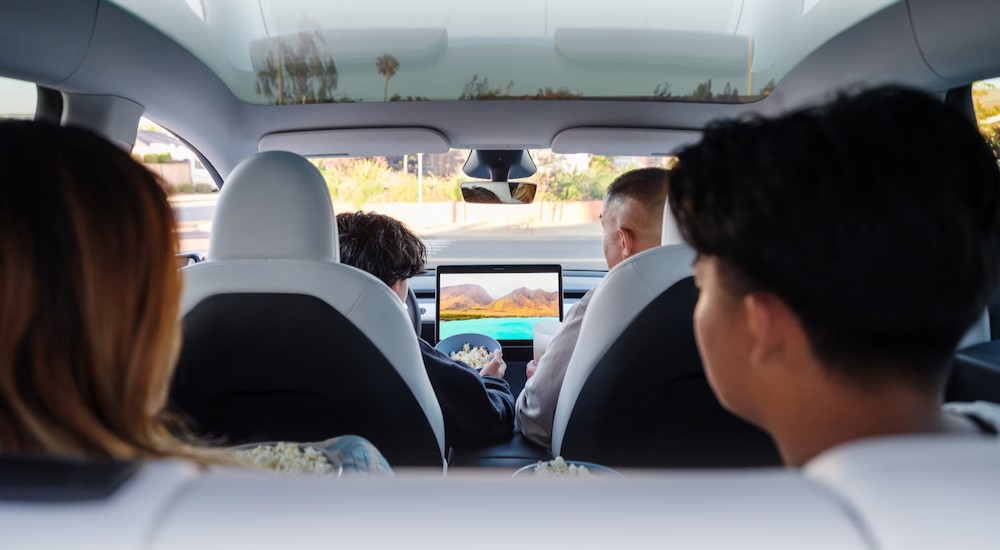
(284,342)
(773,509)
(634,392)
(918,491)
(124,520)
(888,493)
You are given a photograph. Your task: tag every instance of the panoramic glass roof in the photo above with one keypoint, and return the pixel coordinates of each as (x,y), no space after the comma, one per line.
(323,51)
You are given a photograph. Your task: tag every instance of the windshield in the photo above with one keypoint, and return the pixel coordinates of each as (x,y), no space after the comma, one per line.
(315,51)
(561,226)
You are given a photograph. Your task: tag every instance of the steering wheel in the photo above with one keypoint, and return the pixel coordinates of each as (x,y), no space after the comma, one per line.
(413,308)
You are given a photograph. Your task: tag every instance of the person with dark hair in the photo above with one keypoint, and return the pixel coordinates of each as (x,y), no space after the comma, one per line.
(843,251)
(480,195)
(477,406)
(632,222)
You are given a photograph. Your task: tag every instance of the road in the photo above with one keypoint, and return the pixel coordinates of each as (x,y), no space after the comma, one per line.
(571,253)
(194,216)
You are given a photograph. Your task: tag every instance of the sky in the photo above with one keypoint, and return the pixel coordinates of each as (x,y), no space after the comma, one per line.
(499,285)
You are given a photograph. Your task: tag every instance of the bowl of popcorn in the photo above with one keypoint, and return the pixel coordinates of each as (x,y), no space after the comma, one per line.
(560,468)
(475,350)
(294,459)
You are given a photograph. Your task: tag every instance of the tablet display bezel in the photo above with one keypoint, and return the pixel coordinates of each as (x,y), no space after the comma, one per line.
(493,268)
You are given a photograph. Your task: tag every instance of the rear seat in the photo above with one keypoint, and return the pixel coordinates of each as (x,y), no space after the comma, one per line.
(902,492)
(766,509)
(124,520)
(918,492)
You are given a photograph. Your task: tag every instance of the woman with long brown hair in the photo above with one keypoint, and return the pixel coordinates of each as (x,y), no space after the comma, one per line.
(89,301)
(89,293)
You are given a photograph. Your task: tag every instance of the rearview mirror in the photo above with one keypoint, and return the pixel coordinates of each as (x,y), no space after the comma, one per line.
(498,192)
(185,259)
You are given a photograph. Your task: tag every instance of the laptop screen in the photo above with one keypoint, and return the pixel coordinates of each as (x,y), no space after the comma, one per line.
(500,301)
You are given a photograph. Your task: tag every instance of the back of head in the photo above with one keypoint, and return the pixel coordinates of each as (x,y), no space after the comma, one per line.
(876,219)
(88,296)
(380,245)
(641,194)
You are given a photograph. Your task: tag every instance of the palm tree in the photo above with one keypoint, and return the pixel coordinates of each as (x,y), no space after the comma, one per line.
(387,66)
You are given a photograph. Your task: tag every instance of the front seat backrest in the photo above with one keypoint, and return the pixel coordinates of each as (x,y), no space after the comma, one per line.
(282,342)
(635,393)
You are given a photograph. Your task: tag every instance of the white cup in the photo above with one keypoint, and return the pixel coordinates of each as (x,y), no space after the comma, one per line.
(544,332)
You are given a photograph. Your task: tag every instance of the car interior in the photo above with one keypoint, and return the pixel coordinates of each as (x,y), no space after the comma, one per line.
(282,341)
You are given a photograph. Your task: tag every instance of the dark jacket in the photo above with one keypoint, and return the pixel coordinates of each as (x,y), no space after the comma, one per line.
(477,410)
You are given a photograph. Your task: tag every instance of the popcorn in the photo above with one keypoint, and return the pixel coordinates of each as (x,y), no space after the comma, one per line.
(476,358)
(559,468)
(287,458)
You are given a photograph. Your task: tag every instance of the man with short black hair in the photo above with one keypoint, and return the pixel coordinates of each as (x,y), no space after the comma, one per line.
(843,252)
(631,221)
(478,407)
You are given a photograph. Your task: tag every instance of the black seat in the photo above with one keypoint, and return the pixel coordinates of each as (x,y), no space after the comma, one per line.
(975,374)
(282,342)
(635,392)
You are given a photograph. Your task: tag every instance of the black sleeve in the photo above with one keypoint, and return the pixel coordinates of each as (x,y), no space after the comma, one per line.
(477,410)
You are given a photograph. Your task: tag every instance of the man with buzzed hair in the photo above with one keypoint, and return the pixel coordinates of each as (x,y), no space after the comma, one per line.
(632,221)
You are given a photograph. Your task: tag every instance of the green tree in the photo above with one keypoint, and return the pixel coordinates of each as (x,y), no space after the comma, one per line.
(601,164)
(480,89)
(299,72)
(387,66)
(703,91)
(662,91)
(729,94)
(549,93)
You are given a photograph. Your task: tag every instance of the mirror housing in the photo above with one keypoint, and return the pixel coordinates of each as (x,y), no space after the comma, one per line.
(499,164)
(498,192)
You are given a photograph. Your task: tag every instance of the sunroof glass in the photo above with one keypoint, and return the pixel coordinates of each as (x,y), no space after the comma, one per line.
(287,52)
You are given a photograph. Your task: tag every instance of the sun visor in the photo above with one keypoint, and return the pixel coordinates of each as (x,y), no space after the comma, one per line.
(363,142)
(623,141)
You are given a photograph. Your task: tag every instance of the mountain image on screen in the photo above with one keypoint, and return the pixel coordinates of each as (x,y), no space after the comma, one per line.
(462,302)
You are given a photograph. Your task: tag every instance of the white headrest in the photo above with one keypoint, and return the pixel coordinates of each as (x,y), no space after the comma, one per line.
(275,205)
(671,233)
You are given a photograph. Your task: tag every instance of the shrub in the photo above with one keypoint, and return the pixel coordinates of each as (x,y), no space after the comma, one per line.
(359,180)
(186,188)
(203,188)
(443,189)
(150,158)
(164,158)
(576,186)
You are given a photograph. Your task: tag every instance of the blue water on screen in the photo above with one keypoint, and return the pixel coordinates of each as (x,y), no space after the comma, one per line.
(499,328)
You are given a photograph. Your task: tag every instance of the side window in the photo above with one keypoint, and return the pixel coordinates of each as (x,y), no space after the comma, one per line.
(986,100)
(192,190)
(17,99)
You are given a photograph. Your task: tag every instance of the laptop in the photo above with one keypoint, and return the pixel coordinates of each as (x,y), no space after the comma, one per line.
(501,301)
